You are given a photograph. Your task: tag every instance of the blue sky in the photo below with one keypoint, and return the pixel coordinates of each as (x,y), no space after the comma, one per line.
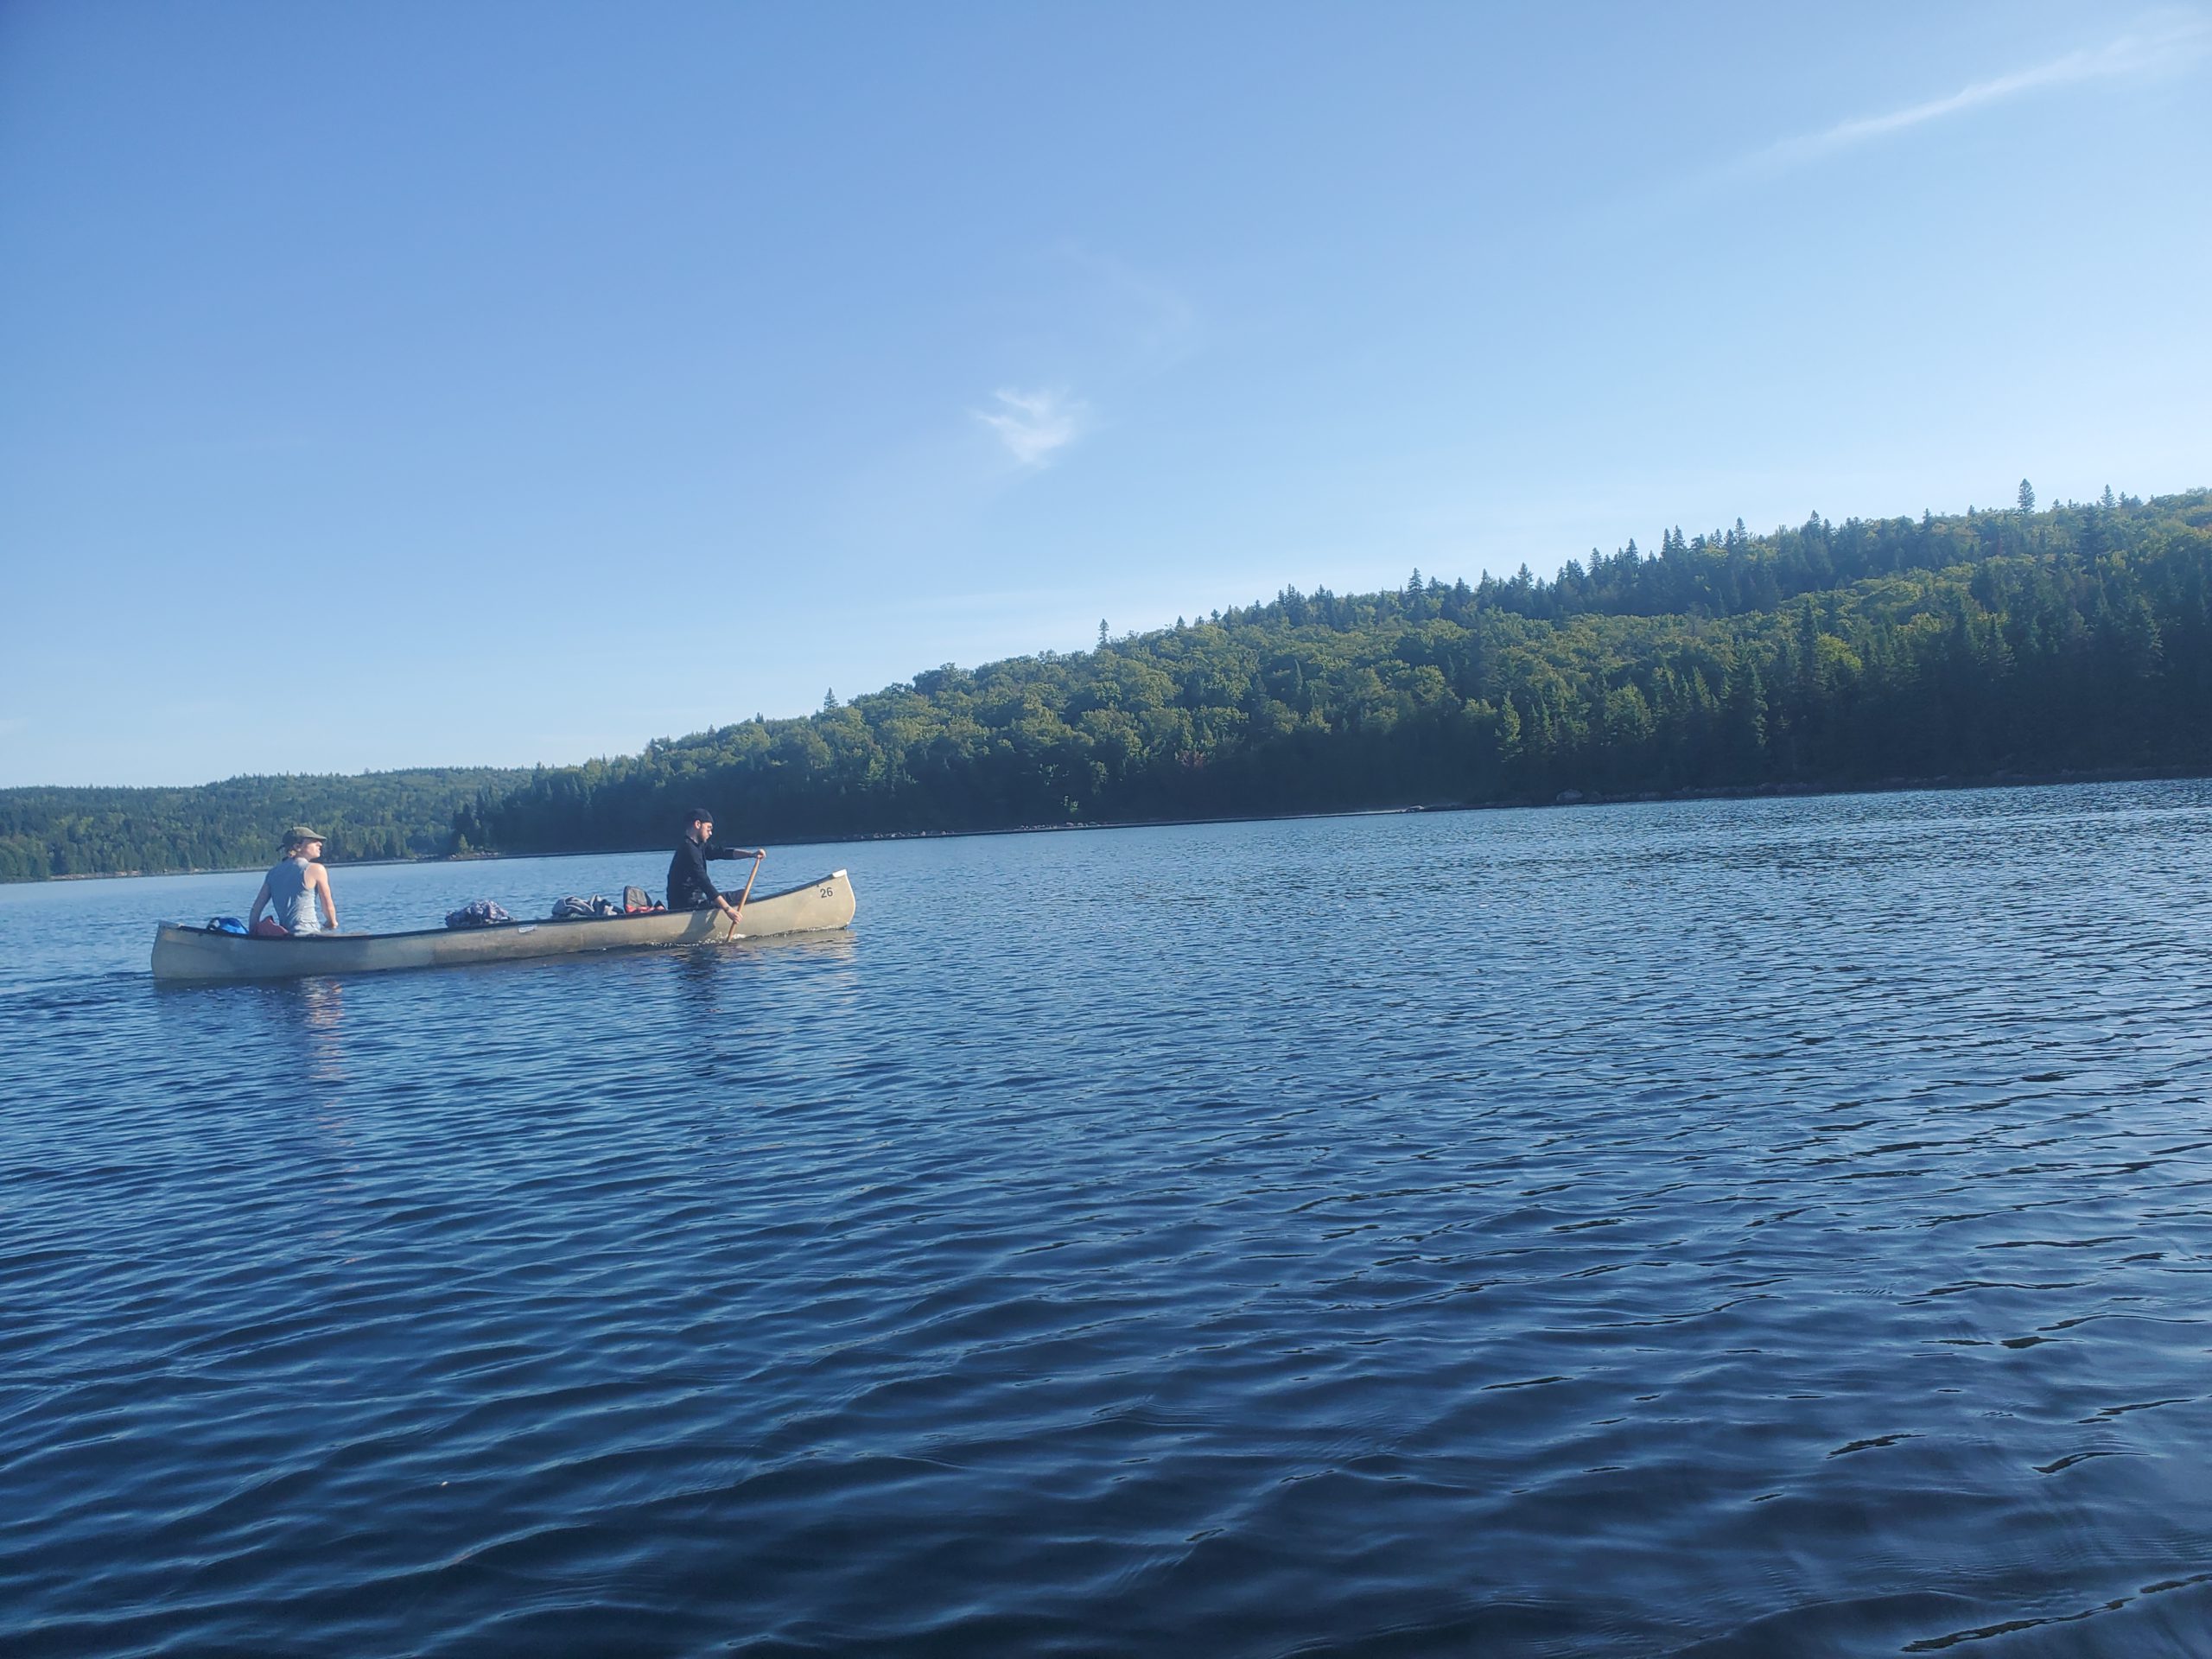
(507,382)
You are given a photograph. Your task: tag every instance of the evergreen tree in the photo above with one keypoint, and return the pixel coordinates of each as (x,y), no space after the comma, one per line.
(1876,650)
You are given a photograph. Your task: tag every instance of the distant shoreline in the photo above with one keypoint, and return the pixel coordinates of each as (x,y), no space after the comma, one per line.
(1569,797)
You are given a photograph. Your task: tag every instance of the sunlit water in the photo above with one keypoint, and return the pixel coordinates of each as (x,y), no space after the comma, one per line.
(1766,1227)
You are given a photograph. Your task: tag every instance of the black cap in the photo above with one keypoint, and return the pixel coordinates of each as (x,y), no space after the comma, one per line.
(700,815)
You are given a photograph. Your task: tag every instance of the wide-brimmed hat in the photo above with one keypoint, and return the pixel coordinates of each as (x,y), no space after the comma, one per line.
(299,834)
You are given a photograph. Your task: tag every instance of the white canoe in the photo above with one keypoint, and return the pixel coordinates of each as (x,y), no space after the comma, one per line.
(181,952)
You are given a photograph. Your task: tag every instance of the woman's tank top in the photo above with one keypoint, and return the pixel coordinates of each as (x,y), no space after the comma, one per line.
(291,901)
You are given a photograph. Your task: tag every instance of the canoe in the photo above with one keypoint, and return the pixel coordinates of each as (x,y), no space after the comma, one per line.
(183,952)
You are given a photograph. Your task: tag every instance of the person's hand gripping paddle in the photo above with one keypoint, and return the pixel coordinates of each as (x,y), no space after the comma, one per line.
(731,936)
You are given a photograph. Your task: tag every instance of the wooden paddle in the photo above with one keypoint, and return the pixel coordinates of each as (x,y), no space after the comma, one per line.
(731,936)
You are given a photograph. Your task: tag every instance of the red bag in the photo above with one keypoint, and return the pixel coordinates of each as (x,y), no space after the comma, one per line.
(269,928)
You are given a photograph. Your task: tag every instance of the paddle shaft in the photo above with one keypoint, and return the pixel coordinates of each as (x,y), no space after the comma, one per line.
(742,897)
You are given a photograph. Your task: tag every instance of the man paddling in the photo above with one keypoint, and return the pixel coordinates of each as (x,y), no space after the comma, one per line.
(690,886)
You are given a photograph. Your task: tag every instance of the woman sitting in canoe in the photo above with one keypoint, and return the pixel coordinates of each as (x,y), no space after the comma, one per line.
(292,890)
(690,886)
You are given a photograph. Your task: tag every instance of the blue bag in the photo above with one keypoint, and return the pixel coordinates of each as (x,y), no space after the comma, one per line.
(224,924)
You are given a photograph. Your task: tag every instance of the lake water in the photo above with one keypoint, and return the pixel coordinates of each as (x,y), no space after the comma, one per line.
(1739,1228)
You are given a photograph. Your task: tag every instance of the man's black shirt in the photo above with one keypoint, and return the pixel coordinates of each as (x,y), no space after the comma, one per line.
(690,886)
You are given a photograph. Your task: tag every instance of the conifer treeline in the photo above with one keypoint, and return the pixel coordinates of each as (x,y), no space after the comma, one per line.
(1870,652)
(49,832)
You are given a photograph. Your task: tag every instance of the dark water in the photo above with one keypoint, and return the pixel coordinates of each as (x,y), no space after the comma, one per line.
(1775,1227)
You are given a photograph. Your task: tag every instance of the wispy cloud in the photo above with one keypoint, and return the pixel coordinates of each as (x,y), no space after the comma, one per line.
(1138,323)
(993,600)
(2164,41)
(1034,424)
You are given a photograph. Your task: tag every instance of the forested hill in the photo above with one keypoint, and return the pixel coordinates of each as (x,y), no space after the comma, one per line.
(48,832)
(1861,653)
(1866,652)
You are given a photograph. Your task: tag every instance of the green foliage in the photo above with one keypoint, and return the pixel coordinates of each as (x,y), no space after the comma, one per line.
(49,832)
(1868,652)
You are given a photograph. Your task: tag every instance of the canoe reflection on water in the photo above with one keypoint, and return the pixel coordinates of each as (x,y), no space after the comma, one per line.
(321,1003)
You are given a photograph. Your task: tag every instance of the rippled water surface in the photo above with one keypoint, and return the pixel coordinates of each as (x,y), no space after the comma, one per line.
(1744,1228)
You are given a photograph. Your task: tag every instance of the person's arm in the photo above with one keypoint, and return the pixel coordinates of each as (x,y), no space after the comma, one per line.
(756,854)
(323,897)
(260,903)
